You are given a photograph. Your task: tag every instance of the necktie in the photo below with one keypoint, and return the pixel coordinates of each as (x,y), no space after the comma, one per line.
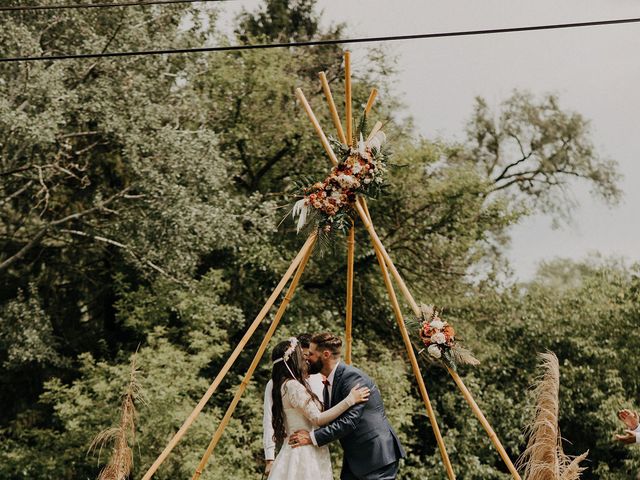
(325,394)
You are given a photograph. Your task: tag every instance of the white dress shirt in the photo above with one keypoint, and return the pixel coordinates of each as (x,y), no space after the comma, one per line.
(316,385)
(330,388)
(637,433)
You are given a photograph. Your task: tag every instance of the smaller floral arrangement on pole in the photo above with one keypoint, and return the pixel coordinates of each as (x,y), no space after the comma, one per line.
(360,171)
(439,338)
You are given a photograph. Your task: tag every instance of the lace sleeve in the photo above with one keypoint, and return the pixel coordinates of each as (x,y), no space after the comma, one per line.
(300,399)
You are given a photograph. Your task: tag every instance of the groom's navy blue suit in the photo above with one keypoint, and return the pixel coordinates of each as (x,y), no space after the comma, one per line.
(371,447)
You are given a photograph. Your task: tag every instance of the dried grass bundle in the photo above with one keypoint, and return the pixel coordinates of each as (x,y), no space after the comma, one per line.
(544,458)
(463,356)
(121,461)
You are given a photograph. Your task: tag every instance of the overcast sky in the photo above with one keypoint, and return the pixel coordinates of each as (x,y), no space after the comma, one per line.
(595,71)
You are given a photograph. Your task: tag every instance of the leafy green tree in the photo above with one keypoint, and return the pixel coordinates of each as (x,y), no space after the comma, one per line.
(533,149)
(284,20)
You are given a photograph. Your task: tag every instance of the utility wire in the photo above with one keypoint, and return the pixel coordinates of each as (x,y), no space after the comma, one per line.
(323,42)
(139,3)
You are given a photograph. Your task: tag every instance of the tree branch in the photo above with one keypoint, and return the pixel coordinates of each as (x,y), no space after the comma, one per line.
(127,249)
(16,170)
(525,156)
(275,159)
(16,193)
(37,239)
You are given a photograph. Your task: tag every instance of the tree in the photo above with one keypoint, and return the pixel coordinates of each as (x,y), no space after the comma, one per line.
(533,150)
(283,20)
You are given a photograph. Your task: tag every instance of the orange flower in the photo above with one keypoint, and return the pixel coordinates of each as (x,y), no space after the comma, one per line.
(425,334)
(449,332)
(331,209)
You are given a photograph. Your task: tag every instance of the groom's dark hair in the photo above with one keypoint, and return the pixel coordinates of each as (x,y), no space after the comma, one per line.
(304,339)
(328,341)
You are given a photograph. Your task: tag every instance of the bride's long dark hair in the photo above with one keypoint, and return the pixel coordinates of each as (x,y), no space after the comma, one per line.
(280,374)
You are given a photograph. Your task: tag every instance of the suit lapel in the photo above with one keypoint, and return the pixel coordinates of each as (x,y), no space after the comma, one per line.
(337,378)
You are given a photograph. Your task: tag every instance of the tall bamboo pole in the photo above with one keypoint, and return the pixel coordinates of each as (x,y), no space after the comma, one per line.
(372,98)
(349,317)
(414,361)
(306,248)
(254,364)
(378,244)
(361,206)
(347,96)
(332,107)
(316,126)
(485,424)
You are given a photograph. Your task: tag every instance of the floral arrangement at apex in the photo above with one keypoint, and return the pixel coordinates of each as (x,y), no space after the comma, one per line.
(439,339)
(360,171)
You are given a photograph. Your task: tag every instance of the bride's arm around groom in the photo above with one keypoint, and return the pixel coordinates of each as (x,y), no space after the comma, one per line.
(371,446)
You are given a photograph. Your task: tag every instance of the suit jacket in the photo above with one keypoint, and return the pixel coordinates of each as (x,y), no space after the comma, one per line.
(368,441)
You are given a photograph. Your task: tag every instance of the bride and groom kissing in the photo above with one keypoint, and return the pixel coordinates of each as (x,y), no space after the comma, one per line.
(313,399)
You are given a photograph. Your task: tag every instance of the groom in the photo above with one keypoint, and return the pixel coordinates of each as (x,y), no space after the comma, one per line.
(371,447)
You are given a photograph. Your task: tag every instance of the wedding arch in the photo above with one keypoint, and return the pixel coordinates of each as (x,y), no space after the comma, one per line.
(357,204)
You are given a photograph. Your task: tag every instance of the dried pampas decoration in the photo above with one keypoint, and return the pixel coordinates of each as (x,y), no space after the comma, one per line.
(544,458)
(121,461)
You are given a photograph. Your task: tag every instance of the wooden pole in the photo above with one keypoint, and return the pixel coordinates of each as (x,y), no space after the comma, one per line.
(348,323)
(372,98)
(378,244)
(254,364)
(414,363)
(332,108)
(347,96)
(362,209)
(317,127)
(478,413)
(306,248)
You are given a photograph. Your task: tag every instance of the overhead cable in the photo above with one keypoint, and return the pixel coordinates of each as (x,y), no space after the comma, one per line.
(310,43)
(139,3)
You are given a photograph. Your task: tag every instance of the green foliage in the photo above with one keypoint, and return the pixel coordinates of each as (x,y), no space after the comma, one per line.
(283,20)
(26,335)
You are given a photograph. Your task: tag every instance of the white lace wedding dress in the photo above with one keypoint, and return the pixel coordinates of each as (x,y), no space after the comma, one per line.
(302,413)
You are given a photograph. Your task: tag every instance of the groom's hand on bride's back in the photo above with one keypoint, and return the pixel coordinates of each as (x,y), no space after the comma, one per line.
(300,438)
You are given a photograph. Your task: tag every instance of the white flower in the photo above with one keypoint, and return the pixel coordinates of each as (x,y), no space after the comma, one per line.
(293,341)
(347,181)
(437,324)
(438,338)
(434,351)
(362,147)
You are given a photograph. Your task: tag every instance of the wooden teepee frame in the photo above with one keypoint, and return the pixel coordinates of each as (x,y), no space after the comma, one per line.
(298,265)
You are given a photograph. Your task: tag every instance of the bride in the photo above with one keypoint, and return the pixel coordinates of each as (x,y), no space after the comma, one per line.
(296,407)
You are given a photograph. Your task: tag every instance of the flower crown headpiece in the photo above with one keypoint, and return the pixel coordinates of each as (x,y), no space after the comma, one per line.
(293,343)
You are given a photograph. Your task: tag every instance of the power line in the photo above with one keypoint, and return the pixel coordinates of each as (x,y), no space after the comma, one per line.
(139,3)
(324,42)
